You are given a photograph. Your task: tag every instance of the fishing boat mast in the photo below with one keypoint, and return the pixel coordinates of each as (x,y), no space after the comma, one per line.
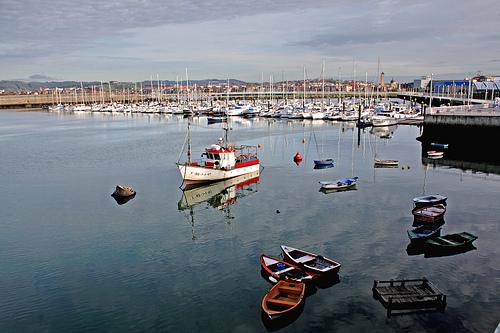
(189,141)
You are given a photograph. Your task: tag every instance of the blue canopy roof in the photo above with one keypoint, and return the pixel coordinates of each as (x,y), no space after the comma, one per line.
(450,83)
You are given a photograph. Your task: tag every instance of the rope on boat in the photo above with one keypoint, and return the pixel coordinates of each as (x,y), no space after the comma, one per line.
(182,150)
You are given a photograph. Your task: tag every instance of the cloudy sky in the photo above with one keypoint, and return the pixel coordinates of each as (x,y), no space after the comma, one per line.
(133,39)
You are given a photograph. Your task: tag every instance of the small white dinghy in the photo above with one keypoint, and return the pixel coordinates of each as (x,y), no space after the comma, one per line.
(339,184)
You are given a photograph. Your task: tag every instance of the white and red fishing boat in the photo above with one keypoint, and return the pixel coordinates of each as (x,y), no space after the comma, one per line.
(222,160)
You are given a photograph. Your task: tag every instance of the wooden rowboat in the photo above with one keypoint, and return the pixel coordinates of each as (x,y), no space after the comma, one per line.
(451,241)
(283,298)
(386,163)
(429,214)
(281,270)
(310,262)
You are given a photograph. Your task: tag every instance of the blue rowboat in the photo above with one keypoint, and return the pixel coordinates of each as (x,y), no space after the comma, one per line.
(424,232)
(439,145)
(327,161)
(429,200)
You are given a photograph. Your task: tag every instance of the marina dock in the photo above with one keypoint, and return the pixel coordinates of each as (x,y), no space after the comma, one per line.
(408,296)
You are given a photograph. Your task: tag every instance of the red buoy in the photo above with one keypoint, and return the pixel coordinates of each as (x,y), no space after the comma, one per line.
(297,158)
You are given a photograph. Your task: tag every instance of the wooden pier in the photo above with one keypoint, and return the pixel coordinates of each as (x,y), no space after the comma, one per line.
(408,296)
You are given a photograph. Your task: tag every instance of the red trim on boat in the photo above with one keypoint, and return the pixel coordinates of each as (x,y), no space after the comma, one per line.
(245,164)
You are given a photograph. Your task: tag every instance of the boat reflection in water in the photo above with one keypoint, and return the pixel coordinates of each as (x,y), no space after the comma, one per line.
(463,151)
(384,132)
(220,195)
(417,249)
(325,166)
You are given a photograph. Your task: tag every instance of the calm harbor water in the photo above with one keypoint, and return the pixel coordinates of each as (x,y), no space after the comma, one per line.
(73,260)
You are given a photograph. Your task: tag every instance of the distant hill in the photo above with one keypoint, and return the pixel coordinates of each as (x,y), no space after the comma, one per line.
(34,83)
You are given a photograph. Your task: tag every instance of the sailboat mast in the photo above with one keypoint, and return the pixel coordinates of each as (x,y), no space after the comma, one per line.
(83,93)
(323,86)
(158,95)
(187,86)
(366,86)
(304,90)
(177,88)
(261,85)
(270,89)
(354,79)
(227,92)
(430,97)
(102,93)
(378,77)
(340,85)
(110,96)
(152,87)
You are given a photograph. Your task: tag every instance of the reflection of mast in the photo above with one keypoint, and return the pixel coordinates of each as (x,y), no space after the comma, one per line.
(191,214)
(425,178)
(189,141)
(219,195)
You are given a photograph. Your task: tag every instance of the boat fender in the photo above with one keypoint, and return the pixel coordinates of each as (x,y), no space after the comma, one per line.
(273,280)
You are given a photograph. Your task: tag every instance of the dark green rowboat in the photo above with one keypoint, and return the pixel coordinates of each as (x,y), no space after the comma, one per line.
(451,241)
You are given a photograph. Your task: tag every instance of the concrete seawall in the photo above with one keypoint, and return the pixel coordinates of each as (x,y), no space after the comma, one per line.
(476,116)
(458,120)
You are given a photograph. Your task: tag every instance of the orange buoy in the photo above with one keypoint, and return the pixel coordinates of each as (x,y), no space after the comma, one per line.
(297,158)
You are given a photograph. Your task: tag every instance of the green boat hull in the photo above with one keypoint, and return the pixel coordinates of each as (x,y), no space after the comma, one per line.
(451,241)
